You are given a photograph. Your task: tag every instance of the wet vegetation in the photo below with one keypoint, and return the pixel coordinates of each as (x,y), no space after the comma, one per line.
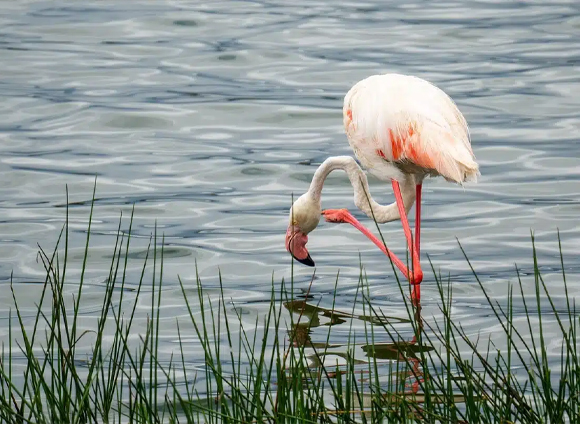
(271,371)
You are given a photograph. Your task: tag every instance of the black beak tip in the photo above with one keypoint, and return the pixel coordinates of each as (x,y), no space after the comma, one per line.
(306,261)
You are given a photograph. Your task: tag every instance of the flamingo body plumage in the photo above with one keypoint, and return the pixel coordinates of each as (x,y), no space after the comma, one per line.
(401,128)
(410,123)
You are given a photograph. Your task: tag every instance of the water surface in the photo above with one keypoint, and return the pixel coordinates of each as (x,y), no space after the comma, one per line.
(208,116)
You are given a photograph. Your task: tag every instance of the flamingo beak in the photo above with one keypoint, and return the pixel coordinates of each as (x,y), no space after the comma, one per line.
(296,244)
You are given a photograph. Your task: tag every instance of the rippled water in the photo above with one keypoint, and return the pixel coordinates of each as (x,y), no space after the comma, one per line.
(209,115)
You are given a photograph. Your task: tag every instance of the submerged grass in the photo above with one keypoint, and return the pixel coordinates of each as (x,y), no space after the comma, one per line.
(271,371)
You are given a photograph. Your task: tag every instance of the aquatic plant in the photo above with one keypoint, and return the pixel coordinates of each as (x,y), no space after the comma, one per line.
(272,371)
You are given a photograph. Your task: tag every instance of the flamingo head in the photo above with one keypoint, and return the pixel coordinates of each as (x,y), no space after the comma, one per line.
(304,217)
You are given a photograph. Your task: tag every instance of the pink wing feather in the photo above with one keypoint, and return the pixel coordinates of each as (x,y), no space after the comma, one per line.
(400,118)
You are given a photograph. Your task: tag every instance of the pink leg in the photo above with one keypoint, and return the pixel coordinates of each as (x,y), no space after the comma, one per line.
(417,272)
(416,275)
(343,215)
(416,293)
(418,219)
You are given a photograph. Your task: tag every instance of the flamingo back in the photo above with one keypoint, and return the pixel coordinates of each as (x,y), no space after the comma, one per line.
(408,122)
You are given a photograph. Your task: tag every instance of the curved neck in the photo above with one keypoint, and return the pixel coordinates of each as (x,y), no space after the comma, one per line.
(362,196)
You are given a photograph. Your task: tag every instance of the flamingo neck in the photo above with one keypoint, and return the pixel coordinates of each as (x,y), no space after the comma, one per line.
(362,196)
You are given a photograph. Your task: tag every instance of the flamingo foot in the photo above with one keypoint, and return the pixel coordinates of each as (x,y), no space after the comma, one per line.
(338,216)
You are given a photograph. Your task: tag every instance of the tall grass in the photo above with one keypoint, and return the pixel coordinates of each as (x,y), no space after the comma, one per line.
(272,371)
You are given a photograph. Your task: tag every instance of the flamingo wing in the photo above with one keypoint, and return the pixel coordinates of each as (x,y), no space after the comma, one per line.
(408,121)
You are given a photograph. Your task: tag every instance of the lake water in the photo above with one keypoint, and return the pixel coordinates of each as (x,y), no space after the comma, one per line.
(208,116)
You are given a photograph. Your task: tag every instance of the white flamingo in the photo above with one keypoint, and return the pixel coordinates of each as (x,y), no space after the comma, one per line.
(401,128)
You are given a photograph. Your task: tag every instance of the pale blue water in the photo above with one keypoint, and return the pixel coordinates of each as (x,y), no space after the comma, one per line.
(209,115)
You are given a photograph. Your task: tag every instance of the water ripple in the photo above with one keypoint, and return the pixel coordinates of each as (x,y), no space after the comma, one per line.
(210,115)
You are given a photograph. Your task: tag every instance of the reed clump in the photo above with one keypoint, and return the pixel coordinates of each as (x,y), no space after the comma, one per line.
(429,370)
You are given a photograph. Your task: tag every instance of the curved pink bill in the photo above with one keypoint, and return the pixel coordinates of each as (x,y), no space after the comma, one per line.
(296,245)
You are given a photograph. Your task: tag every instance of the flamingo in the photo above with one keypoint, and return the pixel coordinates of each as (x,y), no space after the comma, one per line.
(401,129)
